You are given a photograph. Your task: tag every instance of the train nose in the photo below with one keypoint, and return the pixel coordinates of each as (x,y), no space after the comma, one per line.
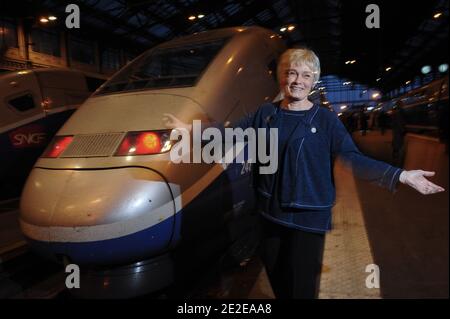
(98,217)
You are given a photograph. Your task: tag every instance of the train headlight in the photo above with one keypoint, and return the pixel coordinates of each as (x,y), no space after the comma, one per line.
(145,143)
(57,146)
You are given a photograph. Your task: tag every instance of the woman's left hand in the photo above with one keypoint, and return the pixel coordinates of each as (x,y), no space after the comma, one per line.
(416,179)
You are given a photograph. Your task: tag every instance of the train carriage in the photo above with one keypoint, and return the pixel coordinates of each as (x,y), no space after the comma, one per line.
(105,194)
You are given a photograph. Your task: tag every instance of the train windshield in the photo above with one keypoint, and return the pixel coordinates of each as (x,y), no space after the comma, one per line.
(179,66)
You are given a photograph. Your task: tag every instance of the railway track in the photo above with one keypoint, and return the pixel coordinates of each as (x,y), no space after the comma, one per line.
(24,275)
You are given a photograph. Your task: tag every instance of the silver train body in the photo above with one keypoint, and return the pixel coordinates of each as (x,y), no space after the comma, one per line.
(34,104)
(91,201)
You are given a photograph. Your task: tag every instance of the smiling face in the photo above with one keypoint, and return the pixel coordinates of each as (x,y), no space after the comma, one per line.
(296,81)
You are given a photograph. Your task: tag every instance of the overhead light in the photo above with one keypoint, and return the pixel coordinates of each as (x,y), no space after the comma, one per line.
(370,108)
(375,95)
(388,69)
(291,27)
(201,16)
(43,20)
(443,67)
(425,69)
(378,79)
(352,61)
(347,62)
(407,82)
(192,18)
(437,15)
(283,29)
(52,18)
(343,107)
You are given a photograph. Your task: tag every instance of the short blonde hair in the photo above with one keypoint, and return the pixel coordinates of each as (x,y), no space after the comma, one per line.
(299,56)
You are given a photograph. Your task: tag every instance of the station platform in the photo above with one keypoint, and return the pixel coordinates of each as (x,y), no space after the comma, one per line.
(347,253)
(404,233)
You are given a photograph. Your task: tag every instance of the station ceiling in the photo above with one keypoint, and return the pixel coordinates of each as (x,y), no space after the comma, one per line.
(408,38)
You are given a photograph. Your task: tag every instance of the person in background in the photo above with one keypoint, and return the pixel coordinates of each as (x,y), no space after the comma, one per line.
(382,121)
(362,122)
(398,135)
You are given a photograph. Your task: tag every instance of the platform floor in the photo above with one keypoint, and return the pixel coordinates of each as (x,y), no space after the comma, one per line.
(408,232)
(404,233)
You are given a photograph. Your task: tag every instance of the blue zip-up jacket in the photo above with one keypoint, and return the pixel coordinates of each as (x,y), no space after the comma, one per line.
(307,175)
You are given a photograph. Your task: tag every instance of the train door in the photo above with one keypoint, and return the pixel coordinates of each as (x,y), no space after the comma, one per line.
(20,98)
(21,138)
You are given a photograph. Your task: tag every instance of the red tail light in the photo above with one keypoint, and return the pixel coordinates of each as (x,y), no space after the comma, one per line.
(57,146)
(145,143)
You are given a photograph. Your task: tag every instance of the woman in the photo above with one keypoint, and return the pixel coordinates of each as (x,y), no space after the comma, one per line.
(296,201)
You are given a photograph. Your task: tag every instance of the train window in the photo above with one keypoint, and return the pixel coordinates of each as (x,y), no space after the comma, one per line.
(22,103)
(165,68)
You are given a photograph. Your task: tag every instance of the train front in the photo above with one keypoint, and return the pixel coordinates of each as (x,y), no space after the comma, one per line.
(99,196)
(105,195)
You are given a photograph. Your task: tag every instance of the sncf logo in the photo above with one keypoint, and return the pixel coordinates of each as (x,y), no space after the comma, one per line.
(28,136)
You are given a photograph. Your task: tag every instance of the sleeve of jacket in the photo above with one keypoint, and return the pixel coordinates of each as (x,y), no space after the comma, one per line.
(363,167)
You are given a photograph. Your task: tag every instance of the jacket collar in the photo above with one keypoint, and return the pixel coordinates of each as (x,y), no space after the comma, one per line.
(273,119)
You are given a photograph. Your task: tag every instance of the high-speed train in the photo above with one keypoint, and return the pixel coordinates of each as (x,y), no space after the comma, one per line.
(105,194)
(34,104)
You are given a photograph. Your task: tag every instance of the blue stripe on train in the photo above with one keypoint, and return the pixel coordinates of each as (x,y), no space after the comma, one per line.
(202,217)
(137,246)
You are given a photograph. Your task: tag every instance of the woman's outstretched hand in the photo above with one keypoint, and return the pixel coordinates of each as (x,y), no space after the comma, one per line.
(172,122)
(416,179)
